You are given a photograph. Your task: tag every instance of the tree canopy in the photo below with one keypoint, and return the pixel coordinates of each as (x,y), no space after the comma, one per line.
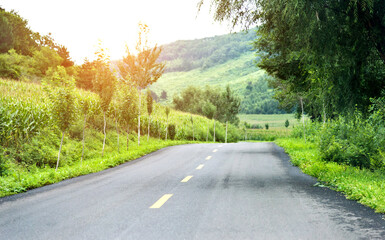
(330,53)
(209,102)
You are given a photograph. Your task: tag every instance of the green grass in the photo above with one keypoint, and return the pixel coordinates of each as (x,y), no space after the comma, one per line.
(276,121)
(237,73)
(363,185)
(26,179)
(29,138)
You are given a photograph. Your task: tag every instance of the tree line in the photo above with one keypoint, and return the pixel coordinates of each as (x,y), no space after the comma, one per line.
(328,54)
(212,103)
(185,55)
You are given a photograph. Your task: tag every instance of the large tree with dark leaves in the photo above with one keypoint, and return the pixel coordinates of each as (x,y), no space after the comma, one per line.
(329,53)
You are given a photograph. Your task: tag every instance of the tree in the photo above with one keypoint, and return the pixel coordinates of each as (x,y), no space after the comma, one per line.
(149,111)
(60,88)
(87,105)
(287,123)
(330,53)
(142,69)
(86,75)
(167,110)
(127,106)
(6,35)
(104,84)
(24,40)
(209,110)
(163,95)
(231,108)
(65,55)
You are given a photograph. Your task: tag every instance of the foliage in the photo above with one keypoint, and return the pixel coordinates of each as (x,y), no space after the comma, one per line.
(6,35)
(171,131)
(274,120)
(22,38)
(241,74)
(363,185)
(60,88)
(210,102)
(331,54)
(186,55)
(86,75)
(287,123)
(21,180)
(27,54)
(142,69)
(30,139)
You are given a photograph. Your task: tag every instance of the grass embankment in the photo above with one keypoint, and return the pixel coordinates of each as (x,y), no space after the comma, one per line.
(30,138)
(363,185)
(33,177)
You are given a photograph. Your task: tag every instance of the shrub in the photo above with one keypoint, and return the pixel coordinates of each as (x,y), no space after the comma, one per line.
(3,159)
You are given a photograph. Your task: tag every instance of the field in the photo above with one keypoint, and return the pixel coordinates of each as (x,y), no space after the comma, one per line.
(275,121)
(30,137)
(237,73)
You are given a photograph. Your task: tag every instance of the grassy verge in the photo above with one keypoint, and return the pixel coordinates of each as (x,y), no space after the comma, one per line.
(363,185)
(23,180)
(275,121)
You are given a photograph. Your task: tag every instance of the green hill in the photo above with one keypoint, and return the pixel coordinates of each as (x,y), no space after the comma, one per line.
(218,61)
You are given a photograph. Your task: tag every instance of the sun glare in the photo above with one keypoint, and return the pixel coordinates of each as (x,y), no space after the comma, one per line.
(80,24)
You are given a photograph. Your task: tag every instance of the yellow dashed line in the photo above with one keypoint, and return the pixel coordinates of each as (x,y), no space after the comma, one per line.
(215,150)
(161,201)
(208,158)
(200,166)
(186,179)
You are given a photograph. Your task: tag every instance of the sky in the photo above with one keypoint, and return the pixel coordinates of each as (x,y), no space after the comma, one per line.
(80,24)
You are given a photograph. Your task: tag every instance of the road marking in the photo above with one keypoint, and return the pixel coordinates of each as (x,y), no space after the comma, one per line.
(208,158)
(215,150)
(161,201)
(200,166)
(186,179)
(220,146)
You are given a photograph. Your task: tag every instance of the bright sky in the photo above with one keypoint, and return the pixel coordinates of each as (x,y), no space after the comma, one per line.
(79,24)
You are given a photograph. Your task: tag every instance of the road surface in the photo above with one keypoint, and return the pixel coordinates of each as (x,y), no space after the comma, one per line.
(199,191)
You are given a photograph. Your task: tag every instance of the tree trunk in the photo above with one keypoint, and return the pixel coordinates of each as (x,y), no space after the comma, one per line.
(104,131)
(208,126)
(192,123)
(58,156)
(303,120)
(214,130)
(140,93)
(226,133)
(84,129)
(148,131)
(117,131)
(166,128)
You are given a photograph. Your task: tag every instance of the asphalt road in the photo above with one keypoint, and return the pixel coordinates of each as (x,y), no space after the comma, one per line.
(200,191)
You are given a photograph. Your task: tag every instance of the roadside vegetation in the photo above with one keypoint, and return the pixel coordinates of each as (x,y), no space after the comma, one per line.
(30,136)
(59,120)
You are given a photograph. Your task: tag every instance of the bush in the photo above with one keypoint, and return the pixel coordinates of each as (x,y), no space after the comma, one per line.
(3,159)
(355,142)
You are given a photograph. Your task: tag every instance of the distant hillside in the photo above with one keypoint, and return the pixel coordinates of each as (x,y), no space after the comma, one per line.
(186,55)
(218,61)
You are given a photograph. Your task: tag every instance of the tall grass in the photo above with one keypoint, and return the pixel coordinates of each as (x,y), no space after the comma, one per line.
(29,137)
